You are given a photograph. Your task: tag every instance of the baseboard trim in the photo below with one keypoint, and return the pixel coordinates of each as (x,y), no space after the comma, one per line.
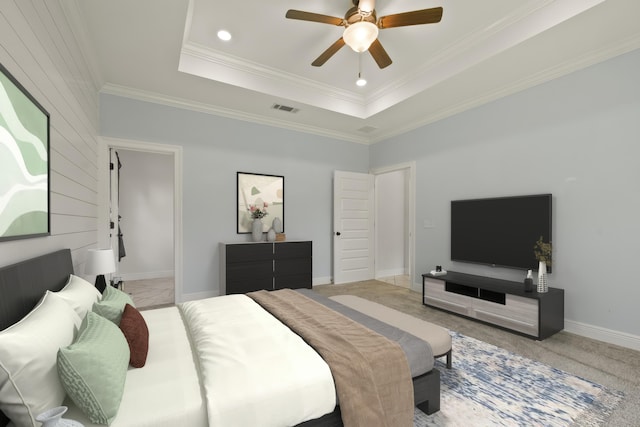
(622,339)
(145,275)
(321,281)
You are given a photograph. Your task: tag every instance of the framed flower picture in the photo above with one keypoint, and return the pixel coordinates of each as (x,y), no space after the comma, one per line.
(24,162)
(259,197)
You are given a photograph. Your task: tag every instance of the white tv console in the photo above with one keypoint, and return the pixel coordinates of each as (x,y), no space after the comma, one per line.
(497,302)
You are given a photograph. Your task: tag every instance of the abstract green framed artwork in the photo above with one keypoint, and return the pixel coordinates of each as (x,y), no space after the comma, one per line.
(259,191)
(24,162)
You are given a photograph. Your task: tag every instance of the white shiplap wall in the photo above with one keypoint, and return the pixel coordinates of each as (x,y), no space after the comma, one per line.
(38,46)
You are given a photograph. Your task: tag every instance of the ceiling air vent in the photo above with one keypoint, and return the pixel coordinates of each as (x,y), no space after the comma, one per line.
(285,108)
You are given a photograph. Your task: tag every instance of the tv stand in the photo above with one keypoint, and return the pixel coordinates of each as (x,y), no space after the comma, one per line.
(497,302)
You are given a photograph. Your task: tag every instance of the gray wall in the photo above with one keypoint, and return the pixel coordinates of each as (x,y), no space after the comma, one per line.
(215,148)
(578,138)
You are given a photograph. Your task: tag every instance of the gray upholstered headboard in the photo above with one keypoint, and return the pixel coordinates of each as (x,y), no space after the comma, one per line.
(23,284)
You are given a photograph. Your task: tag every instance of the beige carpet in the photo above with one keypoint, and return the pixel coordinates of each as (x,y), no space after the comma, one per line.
(607,364)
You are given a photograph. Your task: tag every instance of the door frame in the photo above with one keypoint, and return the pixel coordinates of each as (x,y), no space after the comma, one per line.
(410,167)
(104,144)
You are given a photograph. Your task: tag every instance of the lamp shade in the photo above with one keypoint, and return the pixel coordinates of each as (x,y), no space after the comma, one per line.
(359,35)
(100,261)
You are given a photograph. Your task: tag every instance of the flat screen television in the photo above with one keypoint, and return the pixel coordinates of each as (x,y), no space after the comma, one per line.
(500,231)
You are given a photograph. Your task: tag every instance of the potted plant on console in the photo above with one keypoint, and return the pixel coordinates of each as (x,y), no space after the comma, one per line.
(542,252)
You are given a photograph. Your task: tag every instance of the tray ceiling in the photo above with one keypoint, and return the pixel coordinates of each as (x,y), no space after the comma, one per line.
(167,51)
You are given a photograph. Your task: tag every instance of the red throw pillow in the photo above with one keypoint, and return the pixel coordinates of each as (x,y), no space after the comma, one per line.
(136,332)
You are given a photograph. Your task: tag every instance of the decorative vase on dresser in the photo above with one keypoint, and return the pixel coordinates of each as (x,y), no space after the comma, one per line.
(542,277)
(256,230)
(277,225)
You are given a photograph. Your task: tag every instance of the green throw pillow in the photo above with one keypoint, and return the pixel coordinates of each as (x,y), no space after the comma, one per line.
(93,369)
(112,304)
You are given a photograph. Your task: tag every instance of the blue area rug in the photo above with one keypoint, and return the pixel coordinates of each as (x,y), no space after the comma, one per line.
(490,386)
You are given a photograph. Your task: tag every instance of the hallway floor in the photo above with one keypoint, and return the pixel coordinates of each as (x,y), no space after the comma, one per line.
(151,293)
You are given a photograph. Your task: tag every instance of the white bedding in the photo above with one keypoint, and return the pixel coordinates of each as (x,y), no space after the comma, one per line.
(167,391)
(255,371)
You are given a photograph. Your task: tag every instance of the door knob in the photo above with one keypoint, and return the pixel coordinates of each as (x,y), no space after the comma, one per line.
(337,233)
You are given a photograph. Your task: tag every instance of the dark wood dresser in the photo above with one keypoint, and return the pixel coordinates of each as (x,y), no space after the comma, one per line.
(248,267)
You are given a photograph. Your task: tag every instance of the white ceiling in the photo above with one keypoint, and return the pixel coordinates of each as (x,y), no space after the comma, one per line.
(167,51)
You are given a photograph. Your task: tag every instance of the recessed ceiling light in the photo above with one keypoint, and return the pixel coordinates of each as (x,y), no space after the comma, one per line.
(224,35)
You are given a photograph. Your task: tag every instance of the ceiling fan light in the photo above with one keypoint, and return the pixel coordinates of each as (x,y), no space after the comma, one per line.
(359,36)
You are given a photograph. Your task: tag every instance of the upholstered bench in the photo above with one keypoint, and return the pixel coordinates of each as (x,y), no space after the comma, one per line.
(437,336)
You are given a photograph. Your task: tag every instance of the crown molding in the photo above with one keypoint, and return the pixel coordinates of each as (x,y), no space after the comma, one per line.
(550,73)
(451,51)
(245,66)
(558,70)
(209,63)
(204,62)
(523,24)
(156,98)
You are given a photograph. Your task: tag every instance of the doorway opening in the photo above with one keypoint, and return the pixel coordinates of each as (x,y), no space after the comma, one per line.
(373,225)
(394,224)
(143,207)
(144,225)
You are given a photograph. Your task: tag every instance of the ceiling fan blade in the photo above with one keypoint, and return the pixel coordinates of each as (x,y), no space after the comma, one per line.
(314,17)
(379,54)
(417,17)
(324,57)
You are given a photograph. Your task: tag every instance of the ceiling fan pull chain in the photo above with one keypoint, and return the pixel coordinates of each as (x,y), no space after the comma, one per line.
(361,81)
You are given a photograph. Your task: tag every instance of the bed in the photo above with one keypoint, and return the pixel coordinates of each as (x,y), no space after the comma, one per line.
(175,386)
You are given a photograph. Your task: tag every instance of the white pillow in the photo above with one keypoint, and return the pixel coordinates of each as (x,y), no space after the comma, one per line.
(79,294)
(29,382)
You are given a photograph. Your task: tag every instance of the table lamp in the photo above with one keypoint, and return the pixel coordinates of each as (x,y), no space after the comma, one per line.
(100,262)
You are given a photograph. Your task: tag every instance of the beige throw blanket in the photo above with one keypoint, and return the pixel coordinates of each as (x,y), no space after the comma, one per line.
(371,373)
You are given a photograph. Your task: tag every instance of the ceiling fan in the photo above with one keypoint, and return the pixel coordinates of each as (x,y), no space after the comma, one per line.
(361,28)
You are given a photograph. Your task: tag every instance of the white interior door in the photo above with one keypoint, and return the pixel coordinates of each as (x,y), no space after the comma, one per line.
(353,227)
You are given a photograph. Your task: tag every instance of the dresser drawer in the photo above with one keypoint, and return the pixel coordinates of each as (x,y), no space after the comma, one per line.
(289,267)
(249,252)
(293,282)
(249,270)
(247,267)
(288,250)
